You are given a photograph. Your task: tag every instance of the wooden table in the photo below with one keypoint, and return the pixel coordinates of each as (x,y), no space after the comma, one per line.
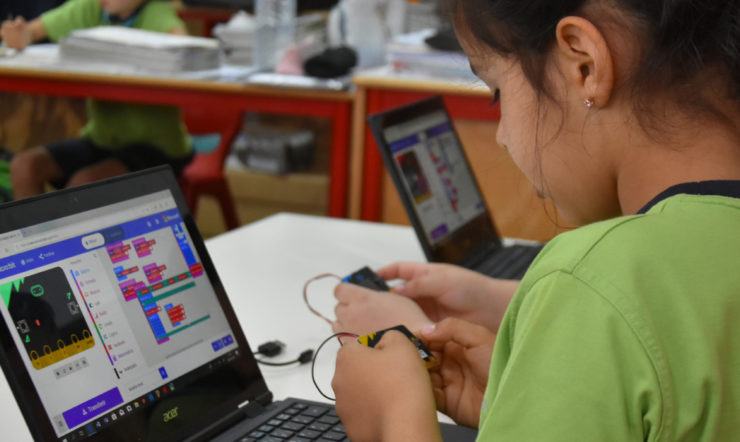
(334,105)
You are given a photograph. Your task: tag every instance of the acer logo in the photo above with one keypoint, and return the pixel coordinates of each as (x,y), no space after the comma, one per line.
(169,414)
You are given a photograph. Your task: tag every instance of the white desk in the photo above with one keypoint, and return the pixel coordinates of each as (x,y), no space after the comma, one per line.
(263,267)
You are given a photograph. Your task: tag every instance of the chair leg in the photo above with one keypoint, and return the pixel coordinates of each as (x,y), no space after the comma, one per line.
(191,198)
(226,200)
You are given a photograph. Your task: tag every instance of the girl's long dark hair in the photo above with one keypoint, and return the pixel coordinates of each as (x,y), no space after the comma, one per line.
(681,41)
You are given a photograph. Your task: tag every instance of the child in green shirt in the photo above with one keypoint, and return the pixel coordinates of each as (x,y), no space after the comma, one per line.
(625,114)
(119,137)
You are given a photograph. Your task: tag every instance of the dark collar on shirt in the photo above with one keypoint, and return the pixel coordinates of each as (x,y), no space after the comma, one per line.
(728,188)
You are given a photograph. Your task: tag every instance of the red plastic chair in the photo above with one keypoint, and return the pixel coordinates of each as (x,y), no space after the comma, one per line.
(205,174)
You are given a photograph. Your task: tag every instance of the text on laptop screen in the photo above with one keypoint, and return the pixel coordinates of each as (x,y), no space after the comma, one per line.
(435,174)
(109,308)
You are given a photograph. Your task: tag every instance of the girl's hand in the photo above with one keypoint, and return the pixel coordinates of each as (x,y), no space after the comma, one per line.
(385,393)
(444,290)
(362,311)
(464,350)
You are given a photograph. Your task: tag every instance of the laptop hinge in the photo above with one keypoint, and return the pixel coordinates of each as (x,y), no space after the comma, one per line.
(256,406)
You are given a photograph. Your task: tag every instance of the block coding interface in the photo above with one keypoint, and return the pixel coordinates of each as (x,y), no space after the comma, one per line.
(435,173)
(107,309)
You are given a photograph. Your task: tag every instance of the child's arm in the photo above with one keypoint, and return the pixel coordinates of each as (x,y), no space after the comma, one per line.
(19,33)
(178,30)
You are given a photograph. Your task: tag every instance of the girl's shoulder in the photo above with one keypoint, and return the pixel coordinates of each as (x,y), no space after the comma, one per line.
(700,222)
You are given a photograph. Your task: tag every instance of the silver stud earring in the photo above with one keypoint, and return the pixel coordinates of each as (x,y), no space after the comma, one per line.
(589,102)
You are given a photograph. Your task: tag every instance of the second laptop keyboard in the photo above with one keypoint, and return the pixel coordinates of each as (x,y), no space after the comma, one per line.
(300,423)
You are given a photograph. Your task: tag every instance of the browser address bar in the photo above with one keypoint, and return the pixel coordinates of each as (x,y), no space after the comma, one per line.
(44,239)
(36,242)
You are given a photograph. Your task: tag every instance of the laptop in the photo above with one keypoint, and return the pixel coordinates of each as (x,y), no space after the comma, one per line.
(433,177)
(115,325)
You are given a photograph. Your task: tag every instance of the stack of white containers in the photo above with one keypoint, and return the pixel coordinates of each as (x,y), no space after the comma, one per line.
(237,39)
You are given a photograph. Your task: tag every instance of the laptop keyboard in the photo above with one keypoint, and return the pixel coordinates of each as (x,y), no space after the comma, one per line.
(510,262)
(300,423)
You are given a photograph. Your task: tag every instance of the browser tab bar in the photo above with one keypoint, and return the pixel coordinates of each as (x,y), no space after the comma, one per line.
(93,241)
(43,234)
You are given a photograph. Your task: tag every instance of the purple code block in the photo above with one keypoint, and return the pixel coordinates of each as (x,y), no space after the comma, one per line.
(439,231)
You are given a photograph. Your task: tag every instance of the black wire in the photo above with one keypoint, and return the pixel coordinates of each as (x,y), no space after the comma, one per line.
(277,364)
(305,357)
(316,354)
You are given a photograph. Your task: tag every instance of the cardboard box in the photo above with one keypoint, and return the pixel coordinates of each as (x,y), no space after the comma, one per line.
(258,195)
(309,189)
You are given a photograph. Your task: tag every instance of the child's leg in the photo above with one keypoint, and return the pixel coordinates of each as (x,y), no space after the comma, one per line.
(138,156)
(30,170)
(104,169)
(56,163)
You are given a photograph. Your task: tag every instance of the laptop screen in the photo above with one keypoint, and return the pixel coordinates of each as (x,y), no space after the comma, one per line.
(113,317)
(435,174)
(423,155)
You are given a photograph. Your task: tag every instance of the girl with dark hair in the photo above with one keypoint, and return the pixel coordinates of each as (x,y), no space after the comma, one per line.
(626,114)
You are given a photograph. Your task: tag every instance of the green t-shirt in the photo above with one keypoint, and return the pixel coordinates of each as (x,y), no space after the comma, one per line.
(625,330)
(114,124)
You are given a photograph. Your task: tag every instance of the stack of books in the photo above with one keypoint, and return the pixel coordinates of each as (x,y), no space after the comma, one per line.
(409,54)
(151,51)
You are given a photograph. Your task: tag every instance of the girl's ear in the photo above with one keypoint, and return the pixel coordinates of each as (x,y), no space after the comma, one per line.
(585,59)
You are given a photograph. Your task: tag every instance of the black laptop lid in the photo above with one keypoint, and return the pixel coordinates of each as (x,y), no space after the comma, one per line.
(114,324)
(423,155)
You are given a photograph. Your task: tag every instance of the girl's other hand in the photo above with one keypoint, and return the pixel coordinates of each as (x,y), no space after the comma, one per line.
(464,351)
(445,290)
(362,311)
